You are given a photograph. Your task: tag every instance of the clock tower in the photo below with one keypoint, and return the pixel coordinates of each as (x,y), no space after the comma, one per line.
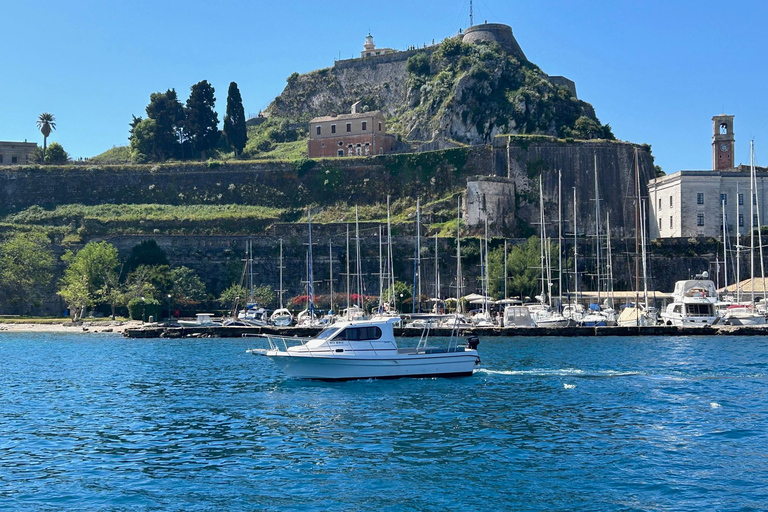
(722,143)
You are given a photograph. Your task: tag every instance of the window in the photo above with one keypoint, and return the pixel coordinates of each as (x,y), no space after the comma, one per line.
(723,198)
(670,222)
(341,143)
(318,130)
(1,159)
(349,127)
(341,152)
(14,159)
(359,334)
(659,203)
(659,224)
(379,126)
(700,219)
(754,199)
(741,199)
(754,220)
(670,201)
(700,198)
(723,129)
(365,126)
(333,128)
(741,220)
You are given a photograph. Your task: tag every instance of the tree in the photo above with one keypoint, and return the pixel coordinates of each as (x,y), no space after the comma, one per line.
(235,130)
(523,269)
(26,268)
(87,279)
(149,281)
(168,113)
(187,287)
(234,296)
(56,155)
(145,253)
(144,140)
(202,121)
(45,123)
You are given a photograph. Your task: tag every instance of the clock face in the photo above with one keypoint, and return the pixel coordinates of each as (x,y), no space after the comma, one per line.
(724,147)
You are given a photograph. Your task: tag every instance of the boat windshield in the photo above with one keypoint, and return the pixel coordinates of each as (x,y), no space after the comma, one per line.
(326,333)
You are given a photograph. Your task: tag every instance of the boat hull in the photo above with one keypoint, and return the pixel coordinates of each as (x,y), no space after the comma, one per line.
(335,368)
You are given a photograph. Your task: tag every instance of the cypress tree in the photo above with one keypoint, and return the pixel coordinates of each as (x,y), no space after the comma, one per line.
(234,121)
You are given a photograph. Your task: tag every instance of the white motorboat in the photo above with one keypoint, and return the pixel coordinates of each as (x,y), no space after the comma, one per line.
(202,320)
(693,303)
(281,317)
(368,350)
(517,316)
(742,314)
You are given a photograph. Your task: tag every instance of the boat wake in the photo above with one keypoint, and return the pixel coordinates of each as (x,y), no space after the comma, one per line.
(565,372)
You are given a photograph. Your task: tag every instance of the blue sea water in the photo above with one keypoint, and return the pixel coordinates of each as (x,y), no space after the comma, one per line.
(99,422)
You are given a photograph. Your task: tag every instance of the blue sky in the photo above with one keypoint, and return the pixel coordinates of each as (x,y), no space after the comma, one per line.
(657,71)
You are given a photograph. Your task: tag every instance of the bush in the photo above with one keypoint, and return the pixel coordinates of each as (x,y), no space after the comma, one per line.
(418,64)
(146,308)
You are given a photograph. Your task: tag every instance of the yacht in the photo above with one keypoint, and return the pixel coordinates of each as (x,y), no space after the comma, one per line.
(693,303)
(367,349)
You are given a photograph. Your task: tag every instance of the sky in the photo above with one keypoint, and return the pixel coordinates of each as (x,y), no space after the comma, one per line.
(656,70)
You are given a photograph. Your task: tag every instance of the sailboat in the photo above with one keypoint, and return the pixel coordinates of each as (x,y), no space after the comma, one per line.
(740,313)
(281,316)
(543,315)
(253,313)
(639,314)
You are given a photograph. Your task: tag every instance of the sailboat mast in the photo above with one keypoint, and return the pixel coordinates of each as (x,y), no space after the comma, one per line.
(390,262)
(505,269)
(597,230)
(348,295)
(642,244)
(381,274)
(637,220)
(609,261)
(330,263)
(575,252)
(759,223)
(542,242)
(281,274)
(752,224)
(418,249)
(459,277)
(310,277)
(437,271)
(560,239)
(738,249)
(358,264)
(725,245)
(486,280)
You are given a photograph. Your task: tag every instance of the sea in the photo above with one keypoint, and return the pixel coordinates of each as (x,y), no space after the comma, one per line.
(102,422)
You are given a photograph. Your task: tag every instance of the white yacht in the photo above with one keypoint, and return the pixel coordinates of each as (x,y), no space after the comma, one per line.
(281,317)
(693,303)
(367,350)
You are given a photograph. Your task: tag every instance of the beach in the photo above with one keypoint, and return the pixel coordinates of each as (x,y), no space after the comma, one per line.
(70,327)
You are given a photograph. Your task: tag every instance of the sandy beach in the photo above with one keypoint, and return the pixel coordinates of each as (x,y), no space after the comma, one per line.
(67,326)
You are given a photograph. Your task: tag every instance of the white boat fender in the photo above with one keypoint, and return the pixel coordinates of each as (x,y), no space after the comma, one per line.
(473,342)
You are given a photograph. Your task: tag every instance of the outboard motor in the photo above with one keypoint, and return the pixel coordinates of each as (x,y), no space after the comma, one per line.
(473,342)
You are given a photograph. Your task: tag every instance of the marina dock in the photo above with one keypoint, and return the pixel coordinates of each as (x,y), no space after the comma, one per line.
(156,331)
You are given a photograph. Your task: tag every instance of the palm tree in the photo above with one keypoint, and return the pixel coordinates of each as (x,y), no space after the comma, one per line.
(46,122)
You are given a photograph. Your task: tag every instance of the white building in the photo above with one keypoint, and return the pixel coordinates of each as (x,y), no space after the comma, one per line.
(691,203)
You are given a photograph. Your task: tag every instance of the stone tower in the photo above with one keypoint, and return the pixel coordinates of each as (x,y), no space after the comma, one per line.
(722,143)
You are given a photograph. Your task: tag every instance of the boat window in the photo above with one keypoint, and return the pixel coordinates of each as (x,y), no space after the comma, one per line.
(699,309)
(326,333)
(360,333)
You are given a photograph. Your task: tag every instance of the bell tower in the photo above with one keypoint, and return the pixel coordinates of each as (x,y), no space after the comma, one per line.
(722,143)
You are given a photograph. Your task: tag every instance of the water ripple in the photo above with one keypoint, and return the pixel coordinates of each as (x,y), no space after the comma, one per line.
(100,422)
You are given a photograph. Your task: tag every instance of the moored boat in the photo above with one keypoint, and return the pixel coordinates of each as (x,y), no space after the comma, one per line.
(368,349)
(693,303)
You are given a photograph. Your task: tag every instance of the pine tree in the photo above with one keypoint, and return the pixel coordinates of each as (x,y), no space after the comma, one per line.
(202,120)
(168,114)
(234,121)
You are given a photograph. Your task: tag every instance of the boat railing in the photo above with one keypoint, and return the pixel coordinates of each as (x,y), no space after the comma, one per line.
(282,343)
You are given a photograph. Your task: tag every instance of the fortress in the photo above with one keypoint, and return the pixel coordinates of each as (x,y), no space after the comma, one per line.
(485,33)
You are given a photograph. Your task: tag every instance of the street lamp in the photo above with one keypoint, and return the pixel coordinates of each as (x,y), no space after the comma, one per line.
(401,301)
(169,308)
(143,309)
